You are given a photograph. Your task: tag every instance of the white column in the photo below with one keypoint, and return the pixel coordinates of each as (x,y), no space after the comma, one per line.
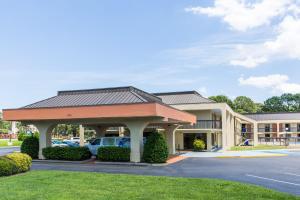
(81,135)
(255,134)
(232,131)
(208,141)
(100,131)
(224,129)
(170,137)
(219,139)
(45,130)
(136,139)
(14,127)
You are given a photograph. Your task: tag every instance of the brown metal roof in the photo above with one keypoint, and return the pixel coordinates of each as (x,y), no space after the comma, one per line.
(185,97)
(274,116)
(93,97)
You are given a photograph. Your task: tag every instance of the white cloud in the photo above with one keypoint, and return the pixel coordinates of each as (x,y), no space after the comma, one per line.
(243,15)
(249,62)
(278,83)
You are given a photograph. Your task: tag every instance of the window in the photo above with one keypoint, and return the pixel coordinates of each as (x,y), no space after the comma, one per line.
(96,142)
(267,135)
(267,128)
(108,142)
(287,127)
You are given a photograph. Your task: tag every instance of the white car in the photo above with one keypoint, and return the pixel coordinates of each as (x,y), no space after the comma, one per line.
(57,143)
(108,141)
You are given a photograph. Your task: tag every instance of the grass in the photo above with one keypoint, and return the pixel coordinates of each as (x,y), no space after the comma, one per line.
(3,143)
(259,147)
(59,185)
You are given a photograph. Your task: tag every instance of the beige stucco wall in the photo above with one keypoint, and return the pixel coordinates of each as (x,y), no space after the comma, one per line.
(179,140)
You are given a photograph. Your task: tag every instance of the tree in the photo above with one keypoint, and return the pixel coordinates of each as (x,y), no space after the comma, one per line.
(222,99)
(284,103)
(243,104)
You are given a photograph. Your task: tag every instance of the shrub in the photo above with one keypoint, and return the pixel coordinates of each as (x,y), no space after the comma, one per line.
(22,161)
(21,136)
(155,149)
(7,167)
(114,154)
(30,146)
(66,153)
(199,145)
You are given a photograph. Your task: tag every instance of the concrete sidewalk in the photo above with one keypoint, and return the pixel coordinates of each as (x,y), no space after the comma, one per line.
(238,154)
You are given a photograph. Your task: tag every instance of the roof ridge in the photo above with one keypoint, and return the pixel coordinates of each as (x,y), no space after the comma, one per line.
(96,90)
(177,93)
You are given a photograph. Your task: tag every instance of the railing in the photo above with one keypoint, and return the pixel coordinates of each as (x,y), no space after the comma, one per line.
(204,124)
(281,141)
(247,130)
(266,130)
(291,129)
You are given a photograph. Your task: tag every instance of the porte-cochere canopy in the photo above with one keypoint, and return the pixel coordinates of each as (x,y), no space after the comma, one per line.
(108,103)
(127,106)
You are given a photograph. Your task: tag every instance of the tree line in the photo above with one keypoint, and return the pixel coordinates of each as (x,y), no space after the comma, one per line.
(242,104)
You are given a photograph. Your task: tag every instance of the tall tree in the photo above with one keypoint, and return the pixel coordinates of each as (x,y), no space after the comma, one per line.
(243,104)
(222,99)
(284,103)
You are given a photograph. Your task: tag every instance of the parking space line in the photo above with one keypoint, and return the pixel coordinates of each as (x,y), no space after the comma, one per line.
(287,173)
(274,180)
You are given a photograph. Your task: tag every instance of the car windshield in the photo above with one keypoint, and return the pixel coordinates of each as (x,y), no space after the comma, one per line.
(108,141)
(96,142)
(123,142)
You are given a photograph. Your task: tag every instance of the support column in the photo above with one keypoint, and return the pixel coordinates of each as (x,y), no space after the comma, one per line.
(208,141)
(100,131)
(224,129)
(136,139)
(255,134)
(232,131)
(219,139)
(170,137)
(45,130)
(14,127)
(81,136)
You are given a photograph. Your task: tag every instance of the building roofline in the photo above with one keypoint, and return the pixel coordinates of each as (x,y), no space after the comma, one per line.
(270,113)
(176,93)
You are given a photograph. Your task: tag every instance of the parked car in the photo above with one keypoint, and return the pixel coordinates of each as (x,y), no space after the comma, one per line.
(71,144)
(108,141)
(73,139)
(57,143)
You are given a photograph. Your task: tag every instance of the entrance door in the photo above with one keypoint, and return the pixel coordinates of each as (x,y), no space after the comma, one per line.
(188,139)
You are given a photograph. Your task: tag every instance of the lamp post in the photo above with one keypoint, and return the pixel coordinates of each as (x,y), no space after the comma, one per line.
(286,136)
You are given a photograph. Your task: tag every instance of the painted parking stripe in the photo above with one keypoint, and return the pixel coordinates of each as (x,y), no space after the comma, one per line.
(292,174)
(274,180)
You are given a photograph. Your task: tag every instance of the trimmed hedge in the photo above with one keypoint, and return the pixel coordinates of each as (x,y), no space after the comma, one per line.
(7,167)
(30,146)
(114,154)
(66,153)
(199,145)
(22,161)
(14,163)
(155,149)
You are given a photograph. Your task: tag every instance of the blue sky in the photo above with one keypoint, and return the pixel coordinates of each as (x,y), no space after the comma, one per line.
(238,48)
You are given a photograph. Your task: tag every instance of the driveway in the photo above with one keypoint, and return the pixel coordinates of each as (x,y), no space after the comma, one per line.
(7,150)
(279,173)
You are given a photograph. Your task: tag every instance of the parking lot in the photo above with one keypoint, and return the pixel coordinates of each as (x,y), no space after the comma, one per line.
(279,173)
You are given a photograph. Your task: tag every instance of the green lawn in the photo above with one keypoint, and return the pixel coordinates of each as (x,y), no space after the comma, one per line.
(259,147)
(56,185)
(3,143)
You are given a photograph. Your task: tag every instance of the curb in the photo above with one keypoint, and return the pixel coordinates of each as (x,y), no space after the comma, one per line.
(130,164)
(62,161)
(259,156)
